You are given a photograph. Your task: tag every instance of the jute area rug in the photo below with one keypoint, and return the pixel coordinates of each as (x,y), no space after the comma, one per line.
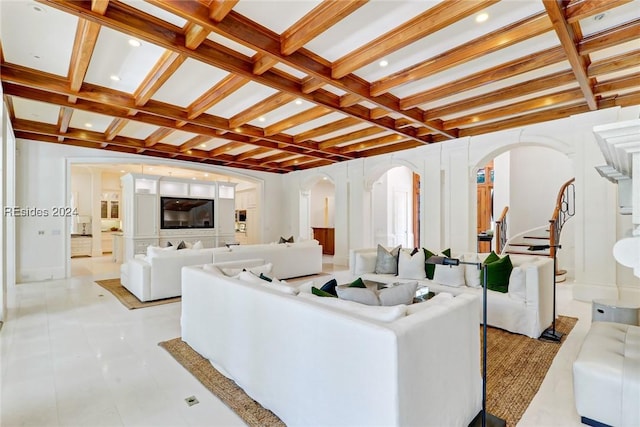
(516,366)
(127,298)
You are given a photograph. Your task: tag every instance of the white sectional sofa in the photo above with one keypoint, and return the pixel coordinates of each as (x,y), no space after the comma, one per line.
(288,259)
(314,362)
(526,310)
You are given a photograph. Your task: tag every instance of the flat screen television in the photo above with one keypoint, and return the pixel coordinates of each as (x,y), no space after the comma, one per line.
(182,212)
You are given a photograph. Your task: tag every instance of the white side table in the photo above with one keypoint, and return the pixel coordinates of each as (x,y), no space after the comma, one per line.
(610,310)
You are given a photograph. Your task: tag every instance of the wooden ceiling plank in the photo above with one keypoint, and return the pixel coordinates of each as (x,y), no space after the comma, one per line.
(434,19)
(517,108)
(318,20)
(349,99)
(296,161)
(8,102)
(83,46)
(168,63)
(64,118)
(252,153)
(242,30)
(217,93)
(568,41)
(224,148)
(370,143)
(325,129)
(609,38)
(274,158)
(620,83)
(489,43)
(311,84)
(612,64)
(296,119)
(263,107)
(114,128)
(218,9)
(406,145)
(194,142)
(194,35)
(99,6)
(363,133)
(525,88)
(499,72)
(377,113)
(262,63)
(575,11)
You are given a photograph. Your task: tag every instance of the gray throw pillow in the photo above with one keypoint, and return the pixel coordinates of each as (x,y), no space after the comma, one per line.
(361,295)
(402,293)
(387,261)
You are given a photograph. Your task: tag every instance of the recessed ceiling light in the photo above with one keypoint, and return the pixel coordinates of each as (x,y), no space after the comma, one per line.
(482,17)
(238,130)
(324,178)
(134,42)
(150,169)
(115,78)
(189,152)
(383,63)
(261,119)
(298,101)
(206,174)
(203,145)
(88,125)
(122,171)
(194,178)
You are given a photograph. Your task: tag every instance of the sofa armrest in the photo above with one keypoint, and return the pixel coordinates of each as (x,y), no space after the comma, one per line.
(539,295)
(139,278)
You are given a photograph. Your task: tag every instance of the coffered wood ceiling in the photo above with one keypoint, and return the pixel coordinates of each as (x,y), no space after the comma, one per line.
(287,85)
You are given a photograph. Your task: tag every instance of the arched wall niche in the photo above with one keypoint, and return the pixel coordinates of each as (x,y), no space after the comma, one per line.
(306,204)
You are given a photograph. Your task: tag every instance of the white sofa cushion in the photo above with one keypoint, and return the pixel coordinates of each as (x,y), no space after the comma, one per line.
(154,251)
(411,266)
(382,314)
(449,275)
(471,272)
(517,283)
(402,293)
(365,263)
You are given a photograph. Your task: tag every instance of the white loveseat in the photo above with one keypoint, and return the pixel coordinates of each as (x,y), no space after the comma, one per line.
(527,310)
(313,363)
(288,259)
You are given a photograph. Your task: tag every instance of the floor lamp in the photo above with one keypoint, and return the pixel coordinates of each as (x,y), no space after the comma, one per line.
(550,334)
(483,418)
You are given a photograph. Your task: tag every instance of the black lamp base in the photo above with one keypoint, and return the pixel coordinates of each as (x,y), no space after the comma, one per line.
(551,335)
(491,421)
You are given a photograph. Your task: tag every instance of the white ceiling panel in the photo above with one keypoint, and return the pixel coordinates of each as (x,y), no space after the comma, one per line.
(615,50)
(283,112)
(48,42)
(213,143)
(177,137)
(321,121)
(341,132)
(115,57)
(267,154)
(290,70)
(611,18)
(156,11)
(191,80)
(137,130)
(245,97)
(366,138)
(35,110)
(81,120)
(275,15)
(215,37)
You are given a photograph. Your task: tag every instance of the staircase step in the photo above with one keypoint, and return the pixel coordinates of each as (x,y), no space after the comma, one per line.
(536,237)
(537,253)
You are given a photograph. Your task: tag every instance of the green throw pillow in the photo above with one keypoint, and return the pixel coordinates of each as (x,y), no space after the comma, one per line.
(491,258)
(498,273)
(430,269)
(358,283)
(321,293)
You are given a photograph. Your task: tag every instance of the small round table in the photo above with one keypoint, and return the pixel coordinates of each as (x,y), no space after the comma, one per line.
(610,310)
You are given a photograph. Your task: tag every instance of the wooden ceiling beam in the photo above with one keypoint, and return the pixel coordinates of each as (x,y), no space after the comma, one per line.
(575,11)
(295,120)
(194,35)
(434,19)
(163,69)
(504,37)
(370,143)
(224,148)
(217,93)
(64,118)
(218,9)
(615,63)
(311,84)
(99,6)
(242,30)
(621,83)
(503,71)
(156,136)
(521,107)
(273,158)
(193,143)
(262,63)
(349,99)
(261,108)
(314,23)
(352,136)
(406,145)
(325,129)
(377,113)
(8,102)
(568,40)
(85,42)
(114,128)
(252,153)
(609,38)
(521,89)
(296,162)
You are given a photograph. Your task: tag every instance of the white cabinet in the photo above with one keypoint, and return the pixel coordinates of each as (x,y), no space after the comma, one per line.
(81,245)
(107,242)
(146,215)
(110,205)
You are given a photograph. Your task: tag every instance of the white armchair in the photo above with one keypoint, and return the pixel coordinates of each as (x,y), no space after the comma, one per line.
(159,276)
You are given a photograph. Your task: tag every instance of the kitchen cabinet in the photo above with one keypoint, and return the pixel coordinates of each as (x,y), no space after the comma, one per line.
(81,245)
(110,205)
(326,237)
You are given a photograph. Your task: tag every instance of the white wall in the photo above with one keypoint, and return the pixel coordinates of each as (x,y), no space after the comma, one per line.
(43,181)
(448,192)
(323,192)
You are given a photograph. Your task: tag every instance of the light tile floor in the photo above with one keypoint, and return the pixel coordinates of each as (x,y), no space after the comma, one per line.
(72,355)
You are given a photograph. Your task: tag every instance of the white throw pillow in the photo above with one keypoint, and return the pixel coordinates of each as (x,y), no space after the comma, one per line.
(471,272)
(249,277)
(518,283)
(449,275)
(402,293)
(154,251)
(198,245)
(411,266)
(365,263)
(361,295)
